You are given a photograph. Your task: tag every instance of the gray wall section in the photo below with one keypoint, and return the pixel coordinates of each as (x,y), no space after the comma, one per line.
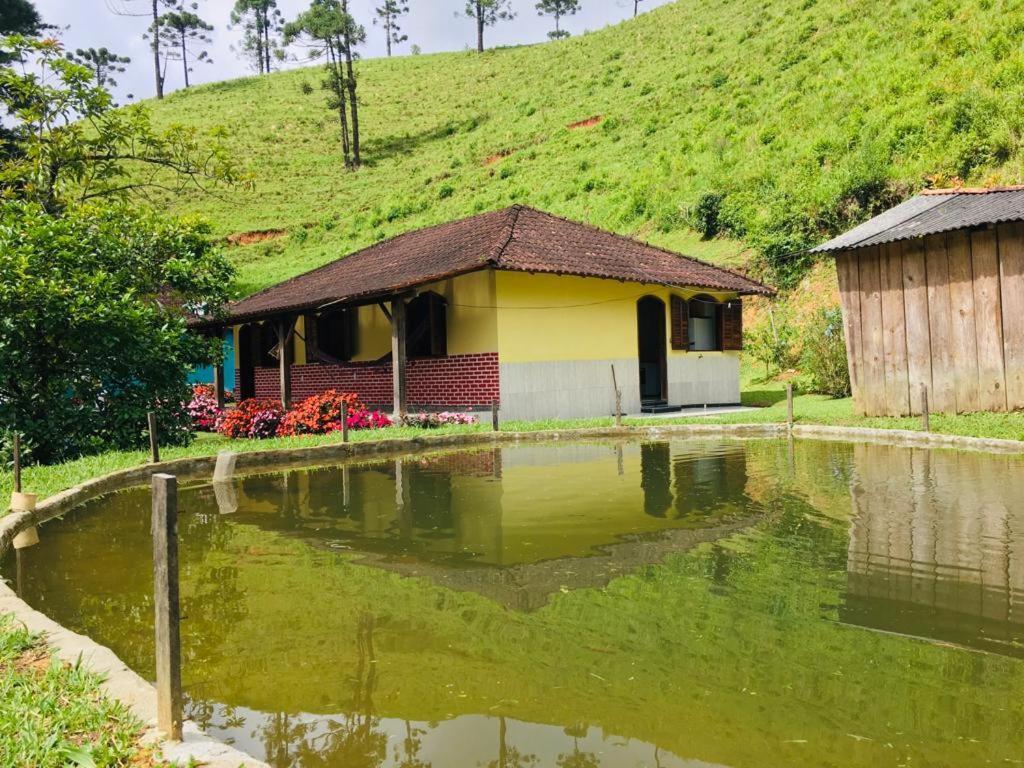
(568,389)
(698,379)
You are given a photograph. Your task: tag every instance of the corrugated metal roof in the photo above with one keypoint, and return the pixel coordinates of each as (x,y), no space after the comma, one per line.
(933,212)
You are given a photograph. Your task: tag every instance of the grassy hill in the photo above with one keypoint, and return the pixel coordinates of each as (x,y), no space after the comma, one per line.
(775,122)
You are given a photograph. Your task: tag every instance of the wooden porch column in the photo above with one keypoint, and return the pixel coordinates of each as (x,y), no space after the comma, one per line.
(284,364)
(398,358)
(218,375)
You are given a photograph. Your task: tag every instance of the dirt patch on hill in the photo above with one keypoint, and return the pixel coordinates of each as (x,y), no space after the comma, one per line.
(498,156)
(588,123)
(256,236)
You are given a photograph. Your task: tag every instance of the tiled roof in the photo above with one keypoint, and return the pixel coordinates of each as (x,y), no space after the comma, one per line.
(516,239)
(932,212)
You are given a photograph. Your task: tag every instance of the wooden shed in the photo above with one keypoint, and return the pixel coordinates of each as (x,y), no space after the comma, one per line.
(932,293)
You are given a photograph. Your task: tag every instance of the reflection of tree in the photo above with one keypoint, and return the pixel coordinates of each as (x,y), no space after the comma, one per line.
(577,758)
(411,746)
(509,756)
(353,741)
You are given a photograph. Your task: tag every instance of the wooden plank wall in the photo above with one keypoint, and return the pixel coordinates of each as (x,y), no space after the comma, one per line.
(944,312)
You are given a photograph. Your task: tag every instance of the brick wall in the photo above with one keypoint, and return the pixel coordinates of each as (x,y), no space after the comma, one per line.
(458,381)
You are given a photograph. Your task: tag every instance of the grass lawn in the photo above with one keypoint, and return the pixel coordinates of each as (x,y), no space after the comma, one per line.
(53,714)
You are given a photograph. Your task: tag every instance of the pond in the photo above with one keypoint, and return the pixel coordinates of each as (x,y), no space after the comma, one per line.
(581,604)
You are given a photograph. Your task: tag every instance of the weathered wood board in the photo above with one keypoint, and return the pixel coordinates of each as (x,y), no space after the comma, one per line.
(915,298)
(963,330)
(1011,281)
(873,388)
(849,297)
(988,310)
(894,337)
(943,391)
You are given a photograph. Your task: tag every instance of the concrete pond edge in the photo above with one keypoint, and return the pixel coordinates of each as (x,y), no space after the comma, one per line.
(123,684)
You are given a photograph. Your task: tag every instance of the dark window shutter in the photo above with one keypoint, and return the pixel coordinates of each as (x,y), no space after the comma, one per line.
(309,325)
(679,322)
(438,326)
(732,325)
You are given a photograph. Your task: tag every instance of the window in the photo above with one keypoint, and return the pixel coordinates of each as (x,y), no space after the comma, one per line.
(703,324)
(426,329)
(331,336)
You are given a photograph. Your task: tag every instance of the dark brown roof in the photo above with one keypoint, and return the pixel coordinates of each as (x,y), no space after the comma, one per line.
(516,239)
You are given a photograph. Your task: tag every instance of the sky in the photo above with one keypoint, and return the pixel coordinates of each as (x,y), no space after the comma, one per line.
(431,24)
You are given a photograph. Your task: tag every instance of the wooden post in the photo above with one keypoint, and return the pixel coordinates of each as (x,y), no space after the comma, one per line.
(618,399)
(398,356)
(494,416)
(284,365)
(16,449)
(926,421)
(154,444)
(344,424)
(218,384)
(165,601)
(789,405)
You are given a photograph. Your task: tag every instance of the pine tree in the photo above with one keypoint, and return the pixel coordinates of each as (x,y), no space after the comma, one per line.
(487,13)
(185,34)
(103,63)
(151,9)
(389,14)
(558,9)
(261,22)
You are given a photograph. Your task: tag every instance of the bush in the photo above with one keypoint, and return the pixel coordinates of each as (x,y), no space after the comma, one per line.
(705,214)
(202,408)
(433,420)
(770,341)
(824,356)
(255,418)
(319,414)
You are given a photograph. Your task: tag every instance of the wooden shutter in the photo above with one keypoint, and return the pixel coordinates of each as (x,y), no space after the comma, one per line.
(438,326)
(309,326)
(732,325)
(679,323)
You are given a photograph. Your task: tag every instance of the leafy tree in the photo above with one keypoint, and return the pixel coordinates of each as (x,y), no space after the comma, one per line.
(824,360)
(487,13)
(389,14)
(72,147)
(184,32)
(152,11)
(93,334)
(330,32)
(558,9)
(19,17)
(261,22)
(103,63)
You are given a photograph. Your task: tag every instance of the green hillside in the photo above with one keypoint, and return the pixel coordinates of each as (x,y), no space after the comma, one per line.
(775,121)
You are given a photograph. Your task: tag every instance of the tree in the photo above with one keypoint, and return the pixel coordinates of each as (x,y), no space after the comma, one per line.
(330,32)
(558,9)
(102,62)
(19,17)
(186,32)
(153,33)
(73,147)
(636,7)
(487,13)
(389,14)
(93,333)
(261,23)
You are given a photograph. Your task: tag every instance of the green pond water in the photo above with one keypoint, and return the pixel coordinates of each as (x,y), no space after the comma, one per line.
(581,604)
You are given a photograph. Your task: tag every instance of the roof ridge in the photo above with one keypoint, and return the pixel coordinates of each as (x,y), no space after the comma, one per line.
(514,210)
(645,244)
(973,190)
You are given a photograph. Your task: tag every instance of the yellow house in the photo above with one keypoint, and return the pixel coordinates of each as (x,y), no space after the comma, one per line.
(513,307)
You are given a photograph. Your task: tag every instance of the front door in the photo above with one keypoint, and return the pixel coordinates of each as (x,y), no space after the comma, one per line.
(650,322)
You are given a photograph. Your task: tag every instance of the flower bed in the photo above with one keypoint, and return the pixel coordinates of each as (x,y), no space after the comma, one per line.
(433,420)
(318,415)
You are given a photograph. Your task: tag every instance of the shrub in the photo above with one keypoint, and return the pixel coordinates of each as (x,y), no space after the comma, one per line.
(319,414)
(824,355)
(705,214)
(364,419)
(432,420)
(254,418)
(202,408)
(770,341)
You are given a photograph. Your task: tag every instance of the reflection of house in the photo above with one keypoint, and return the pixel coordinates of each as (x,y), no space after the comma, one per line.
(933,297)
(513,524)
(937,546)
(515,306)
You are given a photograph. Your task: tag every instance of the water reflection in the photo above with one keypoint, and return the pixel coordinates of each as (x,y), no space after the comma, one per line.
(937,546)
(582,604)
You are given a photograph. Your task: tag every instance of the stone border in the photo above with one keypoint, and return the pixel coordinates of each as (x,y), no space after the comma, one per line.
(123,684)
